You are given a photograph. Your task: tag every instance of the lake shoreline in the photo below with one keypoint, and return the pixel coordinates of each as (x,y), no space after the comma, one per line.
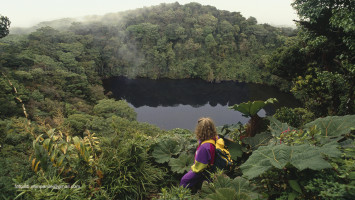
(177,103)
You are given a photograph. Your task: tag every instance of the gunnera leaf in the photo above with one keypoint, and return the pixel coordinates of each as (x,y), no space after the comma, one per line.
(261,139)
(278,156)
(312,157)
(239,185)
(235,149)
(165,149)
(334,125)
(182,163)
(276,127)
(252,108)
(223,193)
(219,181)
(228,128)
(244,189)
(295,186)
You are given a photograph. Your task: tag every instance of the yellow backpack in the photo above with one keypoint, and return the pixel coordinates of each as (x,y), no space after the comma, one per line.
(222,158)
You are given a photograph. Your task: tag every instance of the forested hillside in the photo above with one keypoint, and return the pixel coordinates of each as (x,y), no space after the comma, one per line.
(59,129)
(169,40)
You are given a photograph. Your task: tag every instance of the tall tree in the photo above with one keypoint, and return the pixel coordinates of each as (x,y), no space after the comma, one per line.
(328,25)
(324,71)
(4,26)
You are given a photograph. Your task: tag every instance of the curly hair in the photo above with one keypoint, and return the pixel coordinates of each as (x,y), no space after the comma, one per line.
(205,129)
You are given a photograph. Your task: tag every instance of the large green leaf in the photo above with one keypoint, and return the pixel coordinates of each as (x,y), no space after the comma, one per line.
(261,139)
(244,189)
(182,163)
(295,186)
(235,149)
(226,129)
(276,127)
(252,108)
(278,156)
(334,125)
(239,187)
(223,193)
(165,149)
(222,181)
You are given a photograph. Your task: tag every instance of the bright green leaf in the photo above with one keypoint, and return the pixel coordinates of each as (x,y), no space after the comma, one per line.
(223,193)
(166,149)
(252,108)
(278,156)
(295,186)
(181,164)
(334,125)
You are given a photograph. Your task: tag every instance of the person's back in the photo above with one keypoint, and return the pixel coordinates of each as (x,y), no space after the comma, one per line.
(204,156)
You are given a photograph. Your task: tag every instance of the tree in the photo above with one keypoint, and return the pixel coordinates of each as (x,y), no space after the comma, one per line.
(4,26)
(330,25)
(328,34)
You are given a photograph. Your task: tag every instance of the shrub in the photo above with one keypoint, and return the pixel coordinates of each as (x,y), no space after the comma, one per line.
(78,123)
(128,172)
(295,117)
(109,107)
(178,193)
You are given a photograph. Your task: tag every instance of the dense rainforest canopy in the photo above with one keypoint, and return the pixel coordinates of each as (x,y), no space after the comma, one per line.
(59,128)
(170,40)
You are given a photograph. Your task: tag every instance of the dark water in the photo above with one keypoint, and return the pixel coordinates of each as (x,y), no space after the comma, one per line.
(179,103)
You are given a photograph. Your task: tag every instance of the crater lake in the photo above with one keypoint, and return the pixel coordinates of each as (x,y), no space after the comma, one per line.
(172,104)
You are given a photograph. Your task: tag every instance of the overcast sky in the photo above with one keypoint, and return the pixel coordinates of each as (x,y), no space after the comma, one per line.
(25,13)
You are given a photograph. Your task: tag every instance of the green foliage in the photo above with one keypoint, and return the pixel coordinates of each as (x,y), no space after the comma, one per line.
(261,139)
(50,187)
(296,117)
(4,26)
(235,149)
(252,108)
(288,61)
(179,193)
(109,107)
(319,62)
(123,127)
(60,72)
(279,156)
(223,187)
(327,189)
(7,99)
(324,92)
(334,125)
(293,137)
(223,193)
(78,123)
(277,168)
(181,164)
(15,145)
(232,131)
(128,172)
(166,149)
(177,150)
(67,156)
(276,127)
(165,41)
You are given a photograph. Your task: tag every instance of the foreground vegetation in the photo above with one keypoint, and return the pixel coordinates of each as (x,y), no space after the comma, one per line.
(58,129)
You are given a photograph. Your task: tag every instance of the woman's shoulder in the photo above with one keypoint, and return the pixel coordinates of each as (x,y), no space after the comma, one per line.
(207,145)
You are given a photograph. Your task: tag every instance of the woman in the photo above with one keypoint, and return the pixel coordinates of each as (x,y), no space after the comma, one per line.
(204,156)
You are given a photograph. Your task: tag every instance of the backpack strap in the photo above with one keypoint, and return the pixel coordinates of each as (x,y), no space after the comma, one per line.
(212,141)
